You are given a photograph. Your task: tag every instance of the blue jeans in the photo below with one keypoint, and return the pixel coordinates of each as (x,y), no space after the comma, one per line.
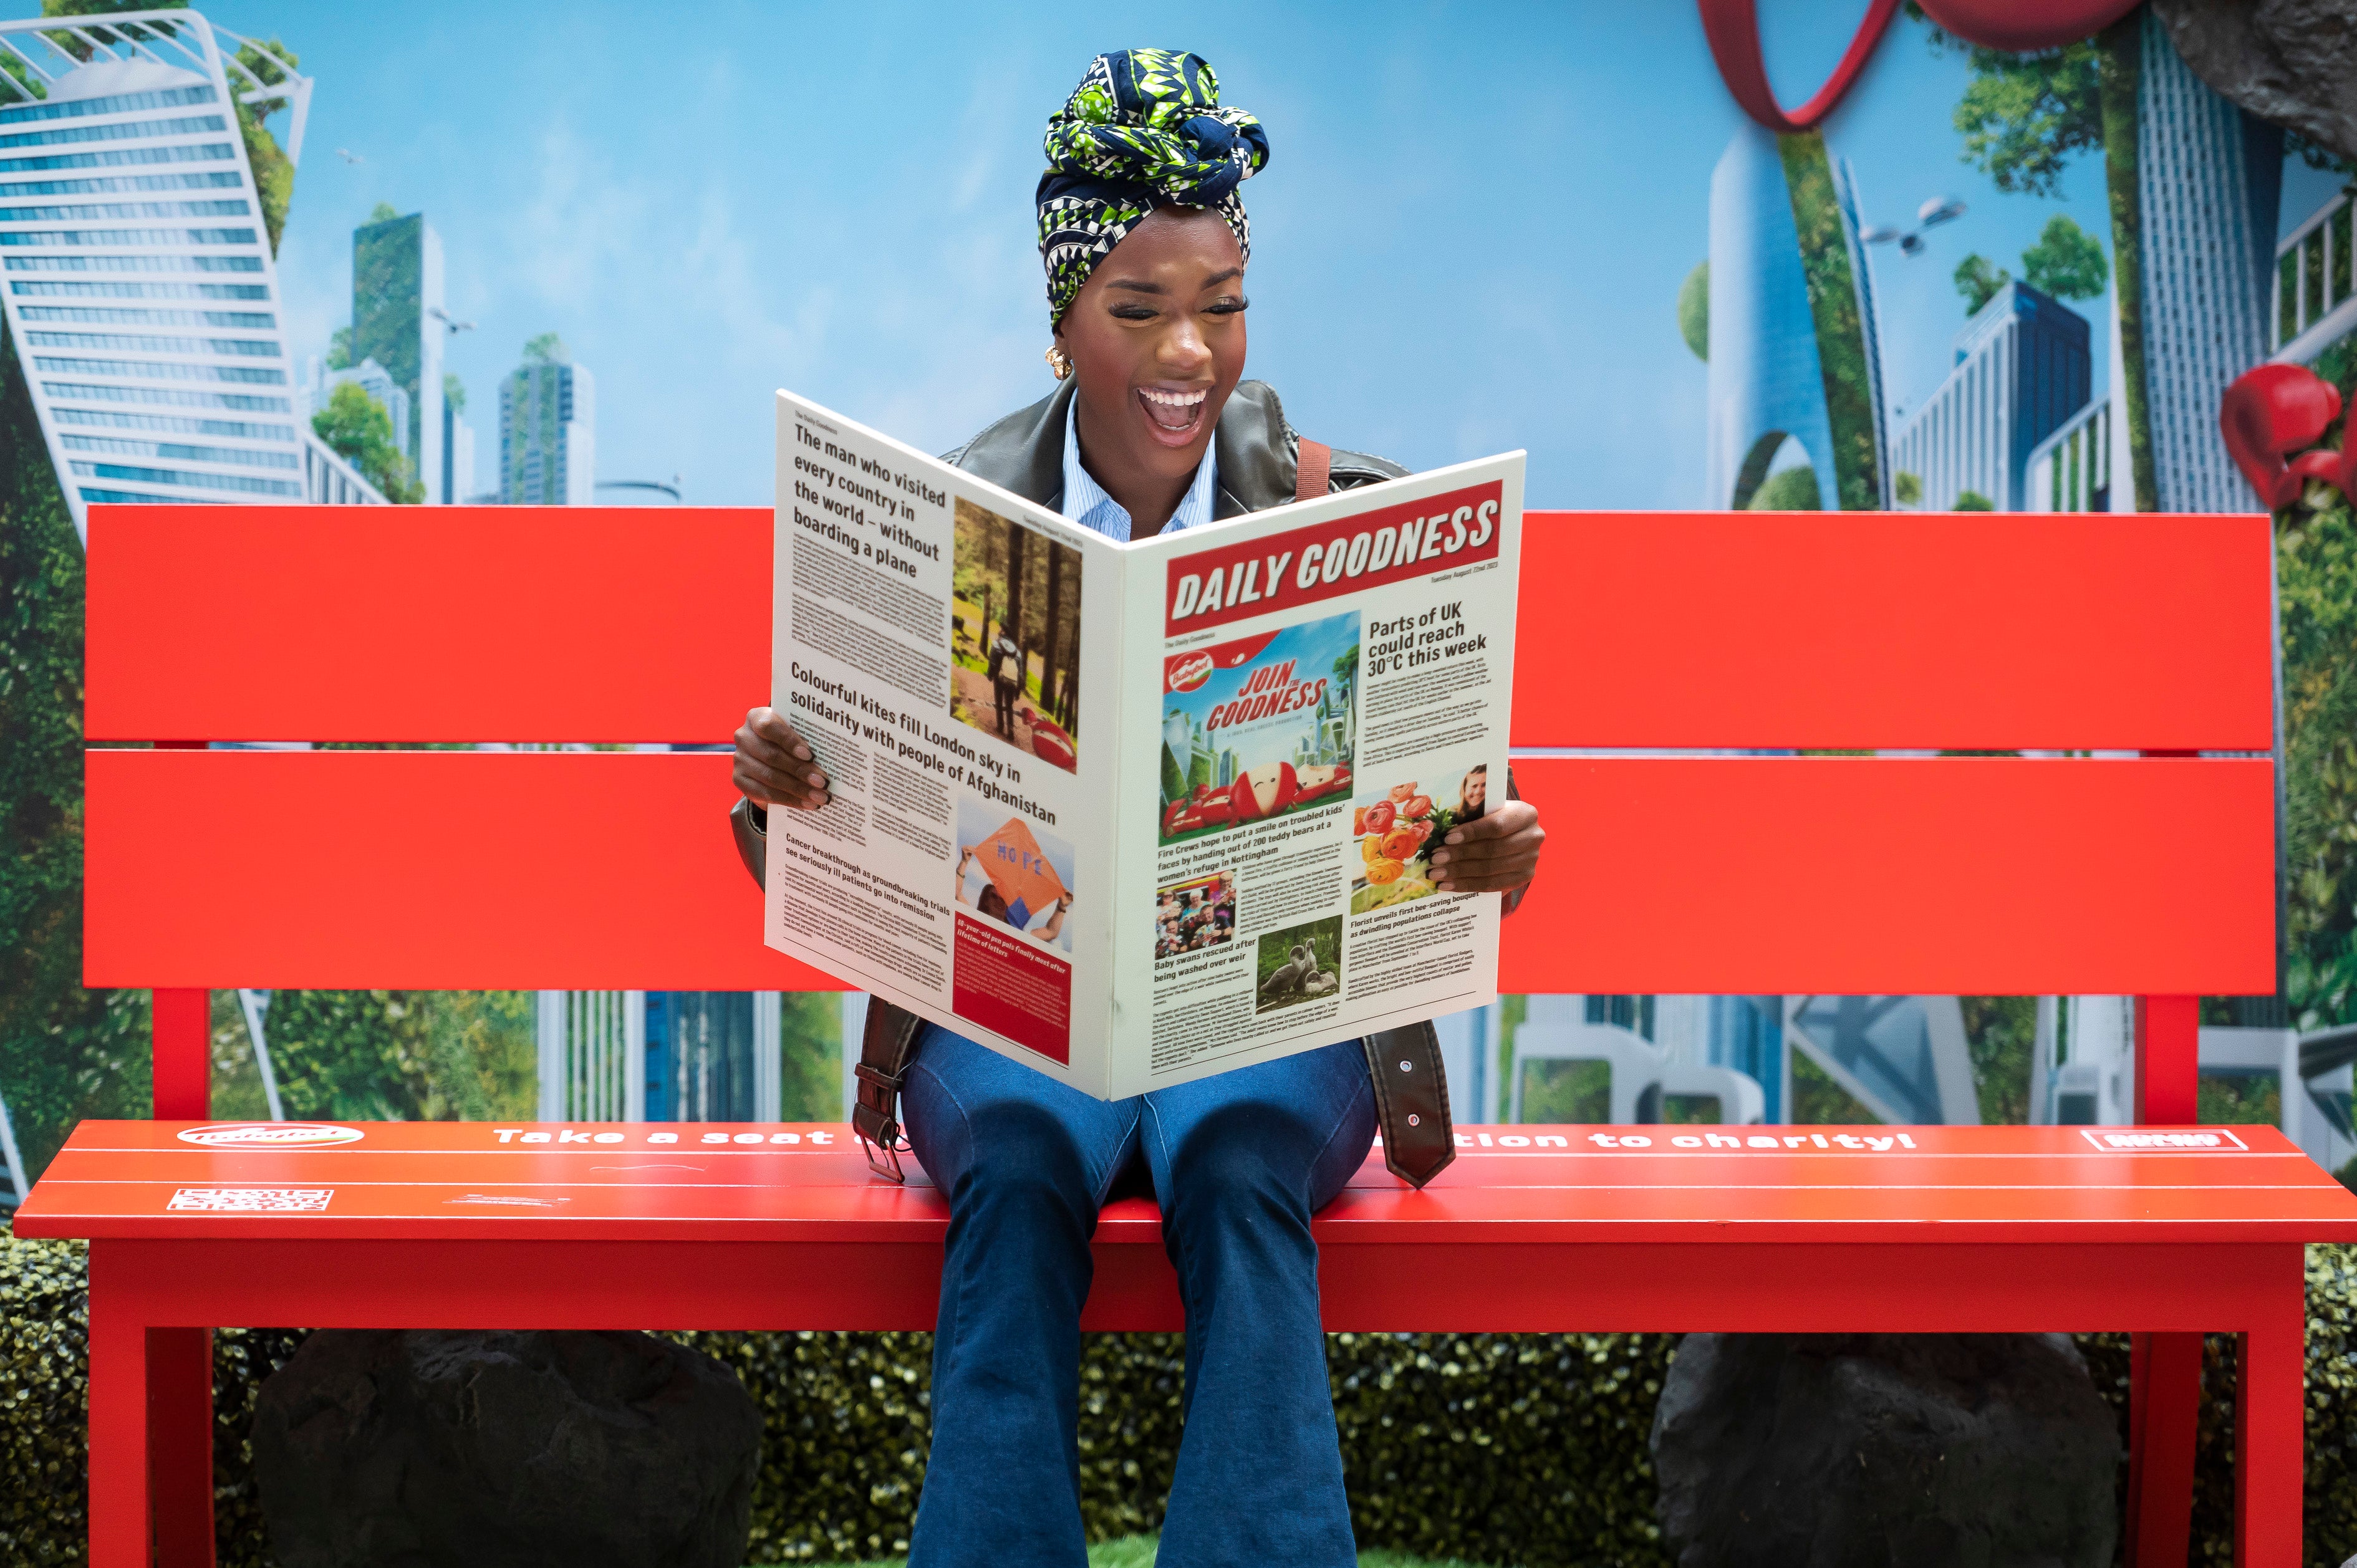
(1240,1162)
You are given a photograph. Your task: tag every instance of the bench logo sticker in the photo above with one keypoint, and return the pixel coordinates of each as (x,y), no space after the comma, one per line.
(251,1200)
(270,1135)
(2146,1141)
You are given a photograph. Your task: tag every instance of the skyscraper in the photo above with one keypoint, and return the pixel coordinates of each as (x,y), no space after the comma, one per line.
(2024,367)
(397,321)
(548,429)
(1785,364)
(2208,184)
(142,293)
(457,444)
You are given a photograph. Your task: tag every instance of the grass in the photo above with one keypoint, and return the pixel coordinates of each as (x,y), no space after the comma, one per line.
(1138,1551)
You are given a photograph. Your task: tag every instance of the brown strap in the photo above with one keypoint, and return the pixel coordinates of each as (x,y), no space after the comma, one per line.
(1313,471)
(886,1049)
(1411,1101)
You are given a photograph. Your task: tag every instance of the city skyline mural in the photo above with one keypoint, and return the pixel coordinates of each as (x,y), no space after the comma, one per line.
(467,264)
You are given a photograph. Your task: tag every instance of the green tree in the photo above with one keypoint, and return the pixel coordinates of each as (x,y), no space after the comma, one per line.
(2316,575)
(403,1056)
(2067,262)
(339,348)
(361,432)
(383,212)
(1856,482)
(1978,279)
(809,1089)
(273,171)
(2024,116)
(1693,310)
(1972,500)
(546,348)
(65,1053)
(1907,488)
(1787,489)
(454,392)
(2000,1035)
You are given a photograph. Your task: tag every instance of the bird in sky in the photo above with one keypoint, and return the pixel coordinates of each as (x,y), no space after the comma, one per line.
(349,157)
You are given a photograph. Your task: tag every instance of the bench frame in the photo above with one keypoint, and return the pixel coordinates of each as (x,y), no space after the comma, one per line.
(2149,634)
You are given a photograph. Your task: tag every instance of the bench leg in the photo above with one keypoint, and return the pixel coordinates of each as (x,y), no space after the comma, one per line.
(119,1523)
(180,1445)
(2164,1401)
(2269,1450)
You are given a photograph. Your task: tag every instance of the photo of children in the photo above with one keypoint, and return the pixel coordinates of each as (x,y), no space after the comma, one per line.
(1191,916)
(1009,873)
(1015,634)
(1300,963)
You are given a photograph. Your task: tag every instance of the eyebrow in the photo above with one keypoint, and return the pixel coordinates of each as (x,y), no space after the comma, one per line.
(1141,285)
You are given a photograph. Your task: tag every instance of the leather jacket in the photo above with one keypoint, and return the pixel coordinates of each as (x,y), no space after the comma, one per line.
(1259,456)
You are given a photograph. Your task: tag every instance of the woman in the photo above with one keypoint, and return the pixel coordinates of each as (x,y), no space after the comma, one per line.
(1472,795)
(1151,427)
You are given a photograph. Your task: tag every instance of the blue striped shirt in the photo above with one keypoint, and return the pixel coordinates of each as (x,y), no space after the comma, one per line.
(1086,503)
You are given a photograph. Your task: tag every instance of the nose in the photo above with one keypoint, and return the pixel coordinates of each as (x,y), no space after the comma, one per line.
(1182,354)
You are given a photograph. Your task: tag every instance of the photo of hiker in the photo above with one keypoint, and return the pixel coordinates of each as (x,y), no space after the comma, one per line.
(1008,873)
(1014,635)
(1300,963)
(1191,916)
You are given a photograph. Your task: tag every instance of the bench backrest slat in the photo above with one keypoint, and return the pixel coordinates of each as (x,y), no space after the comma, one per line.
(1838,629)
(1688,873)
(1680,875)
(1638,629)
(450,624)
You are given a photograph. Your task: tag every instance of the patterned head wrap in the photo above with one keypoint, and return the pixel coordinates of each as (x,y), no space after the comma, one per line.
(1142,130)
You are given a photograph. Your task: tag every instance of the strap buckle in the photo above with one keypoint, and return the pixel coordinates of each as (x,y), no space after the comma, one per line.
(884,1158)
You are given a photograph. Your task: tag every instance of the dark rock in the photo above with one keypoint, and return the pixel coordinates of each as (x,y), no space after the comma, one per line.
(1885,1451)
(2293,62)
(417,1449)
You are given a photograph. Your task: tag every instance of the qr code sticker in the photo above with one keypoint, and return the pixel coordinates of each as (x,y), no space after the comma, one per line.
(251,1200)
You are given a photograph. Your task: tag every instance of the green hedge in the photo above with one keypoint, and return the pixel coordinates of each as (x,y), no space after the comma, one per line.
(1498,1448)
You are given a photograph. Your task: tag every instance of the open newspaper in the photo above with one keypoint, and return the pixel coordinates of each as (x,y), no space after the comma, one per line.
(1137,813)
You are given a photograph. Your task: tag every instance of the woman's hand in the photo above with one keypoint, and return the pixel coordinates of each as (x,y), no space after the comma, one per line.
(774,766)
(1497,854)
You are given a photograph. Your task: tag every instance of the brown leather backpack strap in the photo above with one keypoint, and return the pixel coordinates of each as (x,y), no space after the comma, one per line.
(886,1049)
(1313,471)
(1411,1101)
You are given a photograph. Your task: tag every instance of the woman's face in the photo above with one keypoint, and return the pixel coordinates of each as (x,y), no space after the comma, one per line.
(1157,340)
(1476,790)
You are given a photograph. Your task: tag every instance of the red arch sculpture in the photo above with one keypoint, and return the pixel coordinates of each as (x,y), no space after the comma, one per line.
(1733,28)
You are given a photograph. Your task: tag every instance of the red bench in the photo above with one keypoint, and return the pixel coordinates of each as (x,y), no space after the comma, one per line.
(2146,876)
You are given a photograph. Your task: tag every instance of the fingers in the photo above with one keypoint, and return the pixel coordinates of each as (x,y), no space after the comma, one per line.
(774,765)
(1496,855)
(774,727)
(1510,818)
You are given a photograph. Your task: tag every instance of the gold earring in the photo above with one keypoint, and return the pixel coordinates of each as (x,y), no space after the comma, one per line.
(1059,361)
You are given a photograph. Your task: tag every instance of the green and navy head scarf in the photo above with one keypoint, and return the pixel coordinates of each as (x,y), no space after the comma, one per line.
(1142,130)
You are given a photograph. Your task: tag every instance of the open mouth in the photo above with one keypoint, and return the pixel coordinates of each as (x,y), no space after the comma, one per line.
(1173,416)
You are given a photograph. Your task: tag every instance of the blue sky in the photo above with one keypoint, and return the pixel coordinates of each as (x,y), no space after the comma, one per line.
(1470,237)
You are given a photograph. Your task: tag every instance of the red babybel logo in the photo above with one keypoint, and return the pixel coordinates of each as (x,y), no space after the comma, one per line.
(1188,670)
(2269,414)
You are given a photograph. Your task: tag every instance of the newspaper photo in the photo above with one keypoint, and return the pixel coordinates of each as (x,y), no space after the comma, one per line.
(1136,813)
